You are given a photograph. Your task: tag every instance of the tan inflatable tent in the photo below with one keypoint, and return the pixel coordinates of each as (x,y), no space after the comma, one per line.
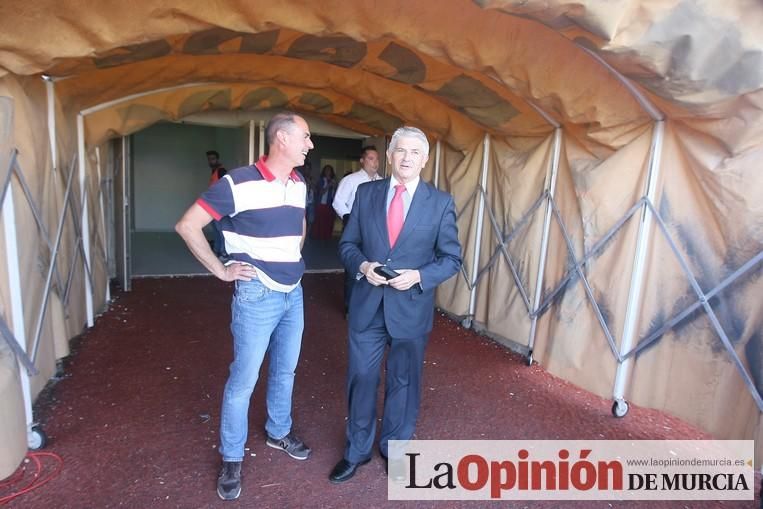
(604,155)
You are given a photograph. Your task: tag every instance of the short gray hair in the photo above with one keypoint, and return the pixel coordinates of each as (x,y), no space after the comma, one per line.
(408,132)
(280,122)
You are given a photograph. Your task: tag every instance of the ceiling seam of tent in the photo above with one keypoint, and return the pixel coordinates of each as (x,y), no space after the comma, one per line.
(643,101)
(113,102)
(546,116)
(508,94)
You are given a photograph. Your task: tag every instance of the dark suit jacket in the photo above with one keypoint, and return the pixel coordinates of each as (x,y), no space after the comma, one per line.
(428,242)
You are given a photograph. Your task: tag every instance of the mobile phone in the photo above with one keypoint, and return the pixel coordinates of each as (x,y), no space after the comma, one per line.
(386,272)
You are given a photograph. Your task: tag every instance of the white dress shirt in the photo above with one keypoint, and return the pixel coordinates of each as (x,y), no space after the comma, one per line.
(410,188)
(345,193)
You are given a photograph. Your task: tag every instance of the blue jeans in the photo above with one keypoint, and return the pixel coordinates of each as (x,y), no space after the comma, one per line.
(263,321)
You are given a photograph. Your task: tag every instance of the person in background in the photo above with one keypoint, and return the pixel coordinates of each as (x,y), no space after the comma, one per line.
(323,227)
(218,172)
(345,197)
(262,208)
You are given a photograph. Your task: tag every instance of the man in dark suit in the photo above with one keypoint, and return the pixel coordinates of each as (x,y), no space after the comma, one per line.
(403,224)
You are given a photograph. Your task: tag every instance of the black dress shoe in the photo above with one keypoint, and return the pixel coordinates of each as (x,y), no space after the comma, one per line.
(344,470)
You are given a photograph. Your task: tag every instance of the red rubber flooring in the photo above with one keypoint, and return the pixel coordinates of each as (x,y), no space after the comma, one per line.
(136,416)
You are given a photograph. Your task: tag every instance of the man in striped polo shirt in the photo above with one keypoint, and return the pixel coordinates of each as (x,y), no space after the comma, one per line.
(261,209)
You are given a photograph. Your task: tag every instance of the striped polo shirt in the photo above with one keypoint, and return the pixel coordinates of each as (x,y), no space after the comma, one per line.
(261,220)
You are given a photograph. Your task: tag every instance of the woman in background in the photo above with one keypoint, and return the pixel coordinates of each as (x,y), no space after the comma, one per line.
(323,226)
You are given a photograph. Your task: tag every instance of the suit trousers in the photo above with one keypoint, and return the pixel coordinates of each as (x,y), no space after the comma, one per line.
(402,393)
(349,277)
(349,282)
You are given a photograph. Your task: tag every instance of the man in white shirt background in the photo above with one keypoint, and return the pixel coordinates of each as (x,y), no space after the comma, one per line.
(345,197)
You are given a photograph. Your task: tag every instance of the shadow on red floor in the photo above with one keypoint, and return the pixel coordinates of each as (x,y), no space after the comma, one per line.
(136,416)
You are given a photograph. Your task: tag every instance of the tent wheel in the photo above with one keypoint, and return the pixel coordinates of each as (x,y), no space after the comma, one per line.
(620,408)
(60,371)
(529,358)
(36,438)
(466,323)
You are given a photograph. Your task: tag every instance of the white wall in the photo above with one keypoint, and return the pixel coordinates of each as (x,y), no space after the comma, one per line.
(170,169)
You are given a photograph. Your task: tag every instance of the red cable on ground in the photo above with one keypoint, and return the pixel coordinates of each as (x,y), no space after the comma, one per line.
(37,479)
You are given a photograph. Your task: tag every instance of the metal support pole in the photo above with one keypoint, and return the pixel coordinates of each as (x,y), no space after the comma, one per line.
(261,139)
(103,220)
(437,164)
(578,268)
(550,189)
(501,248)
(85,222)
(124,215)
(251,142)
(17,299)
(51,95)
(478,242)
(51,267)
(35,212)
(622,375)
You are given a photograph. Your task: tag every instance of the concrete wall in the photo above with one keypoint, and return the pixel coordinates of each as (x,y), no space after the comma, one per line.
(170,169)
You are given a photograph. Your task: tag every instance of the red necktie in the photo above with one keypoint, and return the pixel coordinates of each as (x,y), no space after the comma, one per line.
(395,215)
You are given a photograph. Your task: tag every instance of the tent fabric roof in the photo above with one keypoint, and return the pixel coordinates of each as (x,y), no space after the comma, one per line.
(487,67)
(486,64)
(692,53)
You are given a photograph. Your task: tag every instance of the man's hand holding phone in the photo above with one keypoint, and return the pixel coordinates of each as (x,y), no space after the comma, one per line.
(406,279)
(378,274)
(386,272)
(368,270)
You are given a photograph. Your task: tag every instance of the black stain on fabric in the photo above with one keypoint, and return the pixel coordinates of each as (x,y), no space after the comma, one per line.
(207,42)
(705,52)
(410,68)
(374,117)
(337,50)
(260,43)
(134,53)
(263,98)
(682,331)
(606,314)
(316,102)
(205,101)
(477,101)
(753,352)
